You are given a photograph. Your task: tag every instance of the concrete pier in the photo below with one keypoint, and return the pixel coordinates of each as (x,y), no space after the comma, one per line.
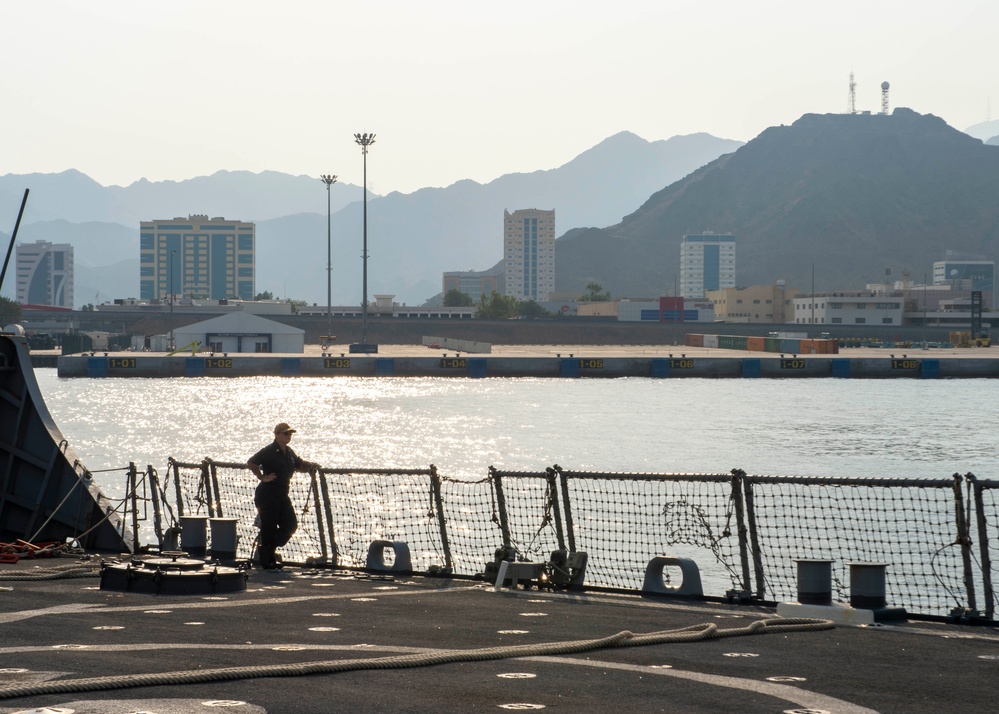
(566,361)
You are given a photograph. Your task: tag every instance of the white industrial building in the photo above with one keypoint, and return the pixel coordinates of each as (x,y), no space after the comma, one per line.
(848,309)
(241,332)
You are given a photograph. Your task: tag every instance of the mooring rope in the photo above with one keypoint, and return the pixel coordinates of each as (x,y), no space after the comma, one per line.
(72,570)
(707,631)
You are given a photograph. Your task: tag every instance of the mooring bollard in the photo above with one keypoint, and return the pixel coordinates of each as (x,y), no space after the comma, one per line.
(224,538)
(194,535)
(867,585)
(814,581)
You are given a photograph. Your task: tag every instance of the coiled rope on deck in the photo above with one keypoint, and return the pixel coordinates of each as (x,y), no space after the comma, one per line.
(707,631)
(72,570)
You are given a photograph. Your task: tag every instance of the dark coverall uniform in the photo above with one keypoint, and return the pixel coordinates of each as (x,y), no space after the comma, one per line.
(277,516)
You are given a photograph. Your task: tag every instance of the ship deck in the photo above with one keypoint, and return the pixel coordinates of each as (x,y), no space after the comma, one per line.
(452,645)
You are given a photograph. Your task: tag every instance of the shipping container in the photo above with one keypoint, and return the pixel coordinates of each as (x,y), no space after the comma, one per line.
(731,342)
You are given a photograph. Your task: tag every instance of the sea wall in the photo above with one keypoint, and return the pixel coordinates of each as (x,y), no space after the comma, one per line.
(590,366)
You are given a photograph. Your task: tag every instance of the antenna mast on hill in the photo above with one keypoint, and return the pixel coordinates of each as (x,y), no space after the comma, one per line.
(884,97)
(853,96)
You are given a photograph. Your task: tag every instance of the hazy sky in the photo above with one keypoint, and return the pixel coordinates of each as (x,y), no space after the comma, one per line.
(122,90)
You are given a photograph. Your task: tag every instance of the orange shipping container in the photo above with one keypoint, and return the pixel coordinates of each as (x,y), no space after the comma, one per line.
(756,344)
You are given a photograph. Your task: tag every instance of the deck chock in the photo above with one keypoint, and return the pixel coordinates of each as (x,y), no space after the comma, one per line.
(655,580)
(172,573)
(401,565)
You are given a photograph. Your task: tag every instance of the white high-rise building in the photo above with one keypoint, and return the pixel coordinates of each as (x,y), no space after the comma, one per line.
(529,254)
(707,262)
(45,274)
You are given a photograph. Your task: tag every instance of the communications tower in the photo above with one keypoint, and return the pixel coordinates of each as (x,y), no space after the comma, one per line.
(884,97)
(852,107)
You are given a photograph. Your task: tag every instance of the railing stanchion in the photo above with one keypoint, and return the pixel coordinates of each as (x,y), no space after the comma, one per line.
(964,540)
(133,489)
(501,505)
(317,505)
(746,503)
(570,529)
(983,547)
(435,486)
(553,491)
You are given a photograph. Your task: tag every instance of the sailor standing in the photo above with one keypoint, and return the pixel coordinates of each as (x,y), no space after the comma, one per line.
(274,465)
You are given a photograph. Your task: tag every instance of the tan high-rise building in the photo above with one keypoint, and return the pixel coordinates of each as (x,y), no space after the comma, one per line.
(197,257)
(529,254)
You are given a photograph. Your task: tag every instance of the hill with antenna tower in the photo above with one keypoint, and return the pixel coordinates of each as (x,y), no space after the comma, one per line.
(848,195)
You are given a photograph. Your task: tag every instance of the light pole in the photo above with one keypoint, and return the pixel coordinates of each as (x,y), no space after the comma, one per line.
(365,140)
(170,296)
(329,180)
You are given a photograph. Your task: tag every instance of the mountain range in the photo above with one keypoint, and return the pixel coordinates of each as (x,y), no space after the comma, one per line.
(832,200)
(412,238)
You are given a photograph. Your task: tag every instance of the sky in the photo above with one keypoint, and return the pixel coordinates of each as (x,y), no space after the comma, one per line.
(125,90)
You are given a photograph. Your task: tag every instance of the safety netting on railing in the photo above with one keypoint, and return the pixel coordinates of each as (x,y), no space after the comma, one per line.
(623,521)
(527,502)
(369,505)
(222,489)
(938,538)
(187,484)
(472,521)
(908,525)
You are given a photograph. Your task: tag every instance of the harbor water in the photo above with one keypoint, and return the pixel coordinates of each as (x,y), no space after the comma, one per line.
(802,427)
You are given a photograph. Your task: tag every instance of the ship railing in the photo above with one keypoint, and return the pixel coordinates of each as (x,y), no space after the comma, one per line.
(937,537)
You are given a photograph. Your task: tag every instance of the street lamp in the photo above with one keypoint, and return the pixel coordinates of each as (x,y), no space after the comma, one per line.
(365,140)
(170,296)
(329,180)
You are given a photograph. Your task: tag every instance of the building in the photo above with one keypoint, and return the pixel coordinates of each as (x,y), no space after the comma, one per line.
(242,332)
(707,262)
(849,308)
(967,275)
(759,303)
(666,309)
(44,274)
(197,258)
(473,283)
(529,254)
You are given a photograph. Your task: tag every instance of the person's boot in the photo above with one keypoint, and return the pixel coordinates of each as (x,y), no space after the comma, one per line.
(267,558)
